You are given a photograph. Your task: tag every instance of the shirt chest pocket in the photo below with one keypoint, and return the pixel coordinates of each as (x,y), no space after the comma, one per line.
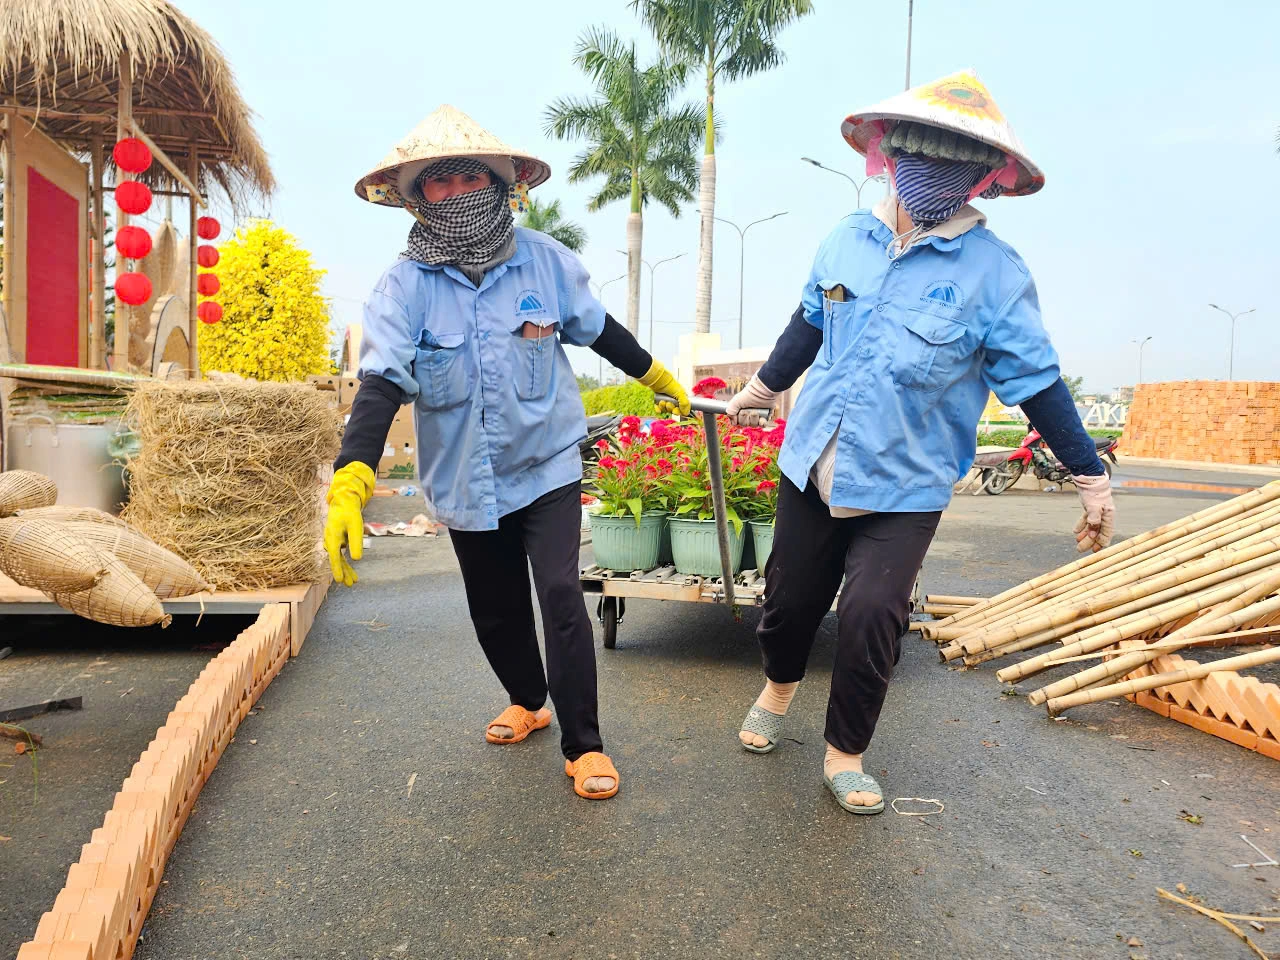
(440,367)
(930,352)
(533,361)
(839,328)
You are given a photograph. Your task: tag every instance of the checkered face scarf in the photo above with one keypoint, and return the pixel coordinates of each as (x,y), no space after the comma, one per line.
(468,228)
(934,190)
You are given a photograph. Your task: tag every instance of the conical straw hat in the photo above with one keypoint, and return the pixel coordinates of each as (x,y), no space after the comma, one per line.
(448,132)
(960,102)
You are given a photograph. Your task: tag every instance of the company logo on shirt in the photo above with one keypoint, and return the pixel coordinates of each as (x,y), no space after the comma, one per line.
(943,293)
(529,304)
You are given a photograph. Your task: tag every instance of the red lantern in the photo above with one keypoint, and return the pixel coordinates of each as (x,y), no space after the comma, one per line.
(131,155)
(207,284)
(133,242)
(133,197)
(207,228)
(206,255)
(209,311)
(133,288)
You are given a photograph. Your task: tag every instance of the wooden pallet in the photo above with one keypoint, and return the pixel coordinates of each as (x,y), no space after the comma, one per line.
(1241,709)
(98,914)
(664,583)
(303,601)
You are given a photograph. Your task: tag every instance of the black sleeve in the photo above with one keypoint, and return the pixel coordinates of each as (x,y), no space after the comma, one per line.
(374,408)
(1053,413)
(793,353)
(622,350)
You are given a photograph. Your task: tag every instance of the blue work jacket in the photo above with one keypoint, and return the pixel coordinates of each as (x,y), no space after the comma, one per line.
(498,417)
(908,358)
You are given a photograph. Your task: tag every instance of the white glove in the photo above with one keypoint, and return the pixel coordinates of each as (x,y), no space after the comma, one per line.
(745,406)
(1097,524)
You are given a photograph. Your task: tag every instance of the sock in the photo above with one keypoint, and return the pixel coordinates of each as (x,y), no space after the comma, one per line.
(776,697)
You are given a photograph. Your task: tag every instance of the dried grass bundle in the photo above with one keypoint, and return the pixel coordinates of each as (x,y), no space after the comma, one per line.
(227,477)
(23,488)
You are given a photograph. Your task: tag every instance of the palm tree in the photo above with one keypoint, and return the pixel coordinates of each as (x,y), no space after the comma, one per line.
(642,146)
(545,218)
(730,39)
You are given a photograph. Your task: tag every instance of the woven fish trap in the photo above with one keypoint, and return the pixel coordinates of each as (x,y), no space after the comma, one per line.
(63,512)
(166,573)
(227,478)
(24,488)
(44,555)
(119,599)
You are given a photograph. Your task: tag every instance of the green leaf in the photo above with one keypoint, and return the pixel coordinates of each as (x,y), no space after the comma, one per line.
(736,520)
(637,508)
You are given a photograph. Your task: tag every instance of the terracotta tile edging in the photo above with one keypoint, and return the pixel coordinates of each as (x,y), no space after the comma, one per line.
(99,913)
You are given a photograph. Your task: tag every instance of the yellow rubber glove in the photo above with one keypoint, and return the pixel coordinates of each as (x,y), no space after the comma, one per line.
(660,380)
(350,491)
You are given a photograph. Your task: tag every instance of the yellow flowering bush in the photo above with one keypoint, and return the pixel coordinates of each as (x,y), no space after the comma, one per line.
(275,323)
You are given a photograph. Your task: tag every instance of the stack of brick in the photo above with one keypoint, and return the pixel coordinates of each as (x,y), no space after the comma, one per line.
(1211,421)
(99,913)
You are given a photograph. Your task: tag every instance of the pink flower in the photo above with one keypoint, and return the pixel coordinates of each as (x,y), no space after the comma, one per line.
(666,466)
(602,445)
(736,463)
(765,486)
(760,468)
(651,472)
(707,387)
(607,463)
(629,425)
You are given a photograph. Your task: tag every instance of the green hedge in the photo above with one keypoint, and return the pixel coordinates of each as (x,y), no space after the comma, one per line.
(624,399)
(1012,438)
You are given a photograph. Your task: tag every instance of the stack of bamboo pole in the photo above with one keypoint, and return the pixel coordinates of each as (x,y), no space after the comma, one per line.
(1212,578)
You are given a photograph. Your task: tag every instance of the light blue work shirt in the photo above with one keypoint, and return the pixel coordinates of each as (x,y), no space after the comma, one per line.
(498,417)
(907,361)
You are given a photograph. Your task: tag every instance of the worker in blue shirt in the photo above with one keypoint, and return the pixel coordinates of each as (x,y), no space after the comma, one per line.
(468,326)
(912,314)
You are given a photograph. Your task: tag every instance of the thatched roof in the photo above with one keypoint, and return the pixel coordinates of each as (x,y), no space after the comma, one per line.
(62,57)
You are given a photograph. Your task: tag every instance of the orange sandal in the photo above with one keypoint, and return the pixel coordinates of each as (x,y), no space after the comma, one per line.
(521,721)
(592,765)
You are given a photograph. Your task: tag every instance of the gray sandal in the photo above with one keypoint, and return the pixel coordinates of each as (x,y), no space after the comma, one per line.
(762,723)
(851,781)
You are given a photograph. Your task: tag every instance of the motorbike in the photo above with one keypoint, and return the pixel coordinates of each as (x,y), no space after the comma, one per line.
(1034,455)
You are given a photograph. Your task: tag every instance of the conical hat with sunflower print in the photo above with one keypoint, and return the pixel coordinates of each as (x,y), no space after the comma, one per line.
(446,133)
(961,103)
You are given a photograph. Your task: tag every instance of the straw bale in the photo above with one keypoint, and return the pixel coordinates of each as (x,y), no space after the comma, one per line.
(227,478)
(24,488)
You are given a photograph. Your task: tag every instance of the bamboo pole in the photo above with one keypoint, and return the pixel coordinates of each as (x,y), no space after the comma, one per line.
(1134,625)
(174,170)
(193,323)
(1062,614)
(951,601)
(940,609)
(1143,543)
(1196,671)
(1183,551)
(98,304)
(124,124)
(1232,638)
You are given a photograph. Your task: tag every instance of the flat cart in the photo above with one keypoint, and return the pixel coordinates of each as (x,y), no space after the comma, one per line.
(615,587)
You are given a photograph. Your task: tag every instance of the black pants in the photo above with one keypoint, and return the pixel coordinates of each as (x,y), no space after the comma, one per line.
(879,556)
(495,570)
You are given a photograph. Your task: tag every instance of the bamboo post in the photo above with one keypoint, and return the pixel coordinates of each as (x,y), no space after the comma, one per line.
(124,126)
(1134,625)
(1062,614)
(98,305)
(1232,638)
(1235,531)
(951,601)
(1193,672)
(1135,546)
(193,323)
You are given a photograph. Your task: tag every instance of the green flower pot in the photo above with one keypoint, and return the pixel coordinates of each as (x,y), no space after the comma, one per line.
(620,544)
(696,550)
(762,539)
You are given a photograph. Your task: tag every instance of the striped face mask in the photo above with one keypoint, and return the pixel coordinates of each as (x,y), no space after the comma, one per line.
(934,190)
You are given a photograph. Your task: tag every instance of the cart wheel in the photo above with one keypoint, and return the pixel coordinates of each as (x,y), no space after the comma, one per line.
(609,617)
(1004,477)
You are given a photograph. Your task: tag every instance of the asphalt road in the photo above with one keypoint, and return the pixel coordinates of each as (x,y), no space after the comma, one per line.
(371,820)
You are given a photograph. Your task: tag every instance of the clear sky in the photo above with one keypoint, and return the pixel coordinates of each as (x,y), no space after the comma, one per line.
(1154,122)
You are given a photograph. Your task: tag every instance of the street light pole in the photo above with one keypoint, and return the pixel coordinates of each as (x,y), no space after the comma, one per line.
(742,259)
(910,9)
(879,177)
(1140,346)
(653,287)
(600,297)
(1231,362)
